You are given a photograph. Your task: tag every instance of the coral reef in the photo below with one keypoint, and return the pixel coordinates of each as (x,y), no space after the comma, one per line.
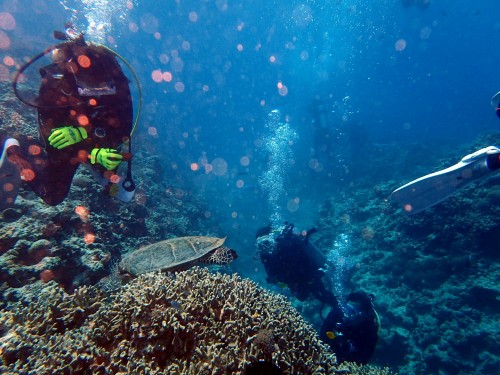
(193,322)
(435,274)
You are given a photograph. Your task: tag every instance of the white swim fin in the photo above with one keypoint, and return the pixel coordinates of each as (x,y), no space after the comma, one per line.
(429,190)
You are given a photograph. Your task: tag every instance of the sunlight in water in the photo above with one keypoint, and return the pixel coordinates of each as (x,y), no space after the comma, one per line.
(99,15)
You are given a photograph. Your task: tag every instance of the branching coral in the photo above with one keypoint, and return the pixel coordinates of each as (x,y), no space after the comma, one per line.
(193,322)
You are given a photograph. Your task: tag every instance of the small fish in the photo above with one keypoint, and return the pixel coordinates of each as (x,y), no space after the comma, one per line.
(331,335)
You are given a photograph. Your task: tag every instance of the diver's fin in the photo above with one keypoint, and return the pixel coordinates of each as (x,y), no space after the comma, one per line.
(59,35)
(433,188)
(10,177)
(495,100)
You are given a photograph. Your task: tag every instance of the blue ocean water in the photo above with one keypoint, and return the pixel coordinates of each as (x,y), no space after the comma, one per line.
(239,96)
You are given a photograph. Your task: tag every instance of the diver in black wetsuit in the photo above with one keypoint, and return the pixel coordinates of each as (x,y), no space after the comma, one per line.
(85,116)
(351,327)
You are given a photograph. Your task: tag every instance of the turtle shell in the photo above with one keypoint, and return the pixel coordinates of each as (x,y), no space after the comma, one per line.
(172,254)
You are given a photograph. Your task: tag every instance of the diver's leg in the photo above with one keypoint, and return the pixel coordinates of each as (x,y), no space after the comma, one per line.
(54,181)
(49,176)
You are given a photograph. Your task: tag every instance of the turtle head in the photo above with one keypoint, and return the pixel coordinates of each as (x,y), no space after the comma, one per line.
(221,255)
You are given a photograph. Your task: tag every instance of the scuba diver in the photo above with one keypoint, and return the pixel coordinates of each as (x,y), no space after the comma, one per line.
(434,188)
(85,116)
(351,327)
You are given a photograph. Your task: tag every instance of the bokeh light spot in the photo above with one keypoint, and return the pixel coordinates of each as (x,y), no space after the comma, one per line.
(219,167)
(179,87)
(293,205)
(400,45)
(132,26)
(27,175)
(156,75)
(115,178)
(425,32)
(89,238)
(83,120)
(4,40)
(82,212)
(245,161)
(7,187)
(193,16)
(152,131)
(7,21)
(8,61)
(84,61)
(34,150)
(167,76)
(240,184)
(194,167)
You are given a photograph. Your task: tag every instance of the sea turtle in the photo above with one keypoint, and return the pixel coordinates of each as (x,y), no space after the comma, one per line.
(176,254)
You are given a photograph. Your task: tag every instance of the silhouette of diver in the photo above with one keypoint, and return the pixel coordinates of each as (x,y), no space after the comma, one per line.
(351,327)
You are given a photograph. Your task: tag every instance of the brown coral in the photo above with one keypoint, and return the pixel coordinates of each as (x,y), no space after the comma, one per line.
(193,322)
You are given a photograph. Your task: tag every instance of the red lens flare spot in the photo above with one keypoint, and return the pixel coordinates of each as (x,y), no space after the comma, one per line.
(9,61)
(8,187)
(89,238)
(27,175)
(47,275)
(156,75)
(92,102)
(82,156)
(82,120)
(114,179)
(82,212)
(34,150)
(84,61)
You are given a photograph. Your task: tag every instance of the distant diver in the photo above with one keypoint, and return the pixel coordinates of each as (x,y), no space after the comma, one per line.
(434,188)
(85,116)
(351,327)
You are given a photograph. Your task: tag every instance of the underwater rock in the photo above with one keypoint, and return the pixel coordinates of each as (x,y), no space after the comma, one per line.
(11,214)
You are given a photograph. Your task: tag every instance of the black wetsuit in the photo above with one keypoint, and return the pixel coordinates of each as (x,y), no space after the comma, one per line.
(94,94)
(296,262)
(351,329)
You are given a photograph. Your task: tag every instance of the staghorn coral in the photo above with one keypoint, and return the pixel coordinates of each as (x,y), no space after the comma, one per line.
(193,322)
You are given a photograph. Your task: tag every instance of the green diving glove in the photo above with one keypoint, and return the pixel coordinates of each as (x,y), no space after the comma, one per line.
(107,157)
(67,136)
